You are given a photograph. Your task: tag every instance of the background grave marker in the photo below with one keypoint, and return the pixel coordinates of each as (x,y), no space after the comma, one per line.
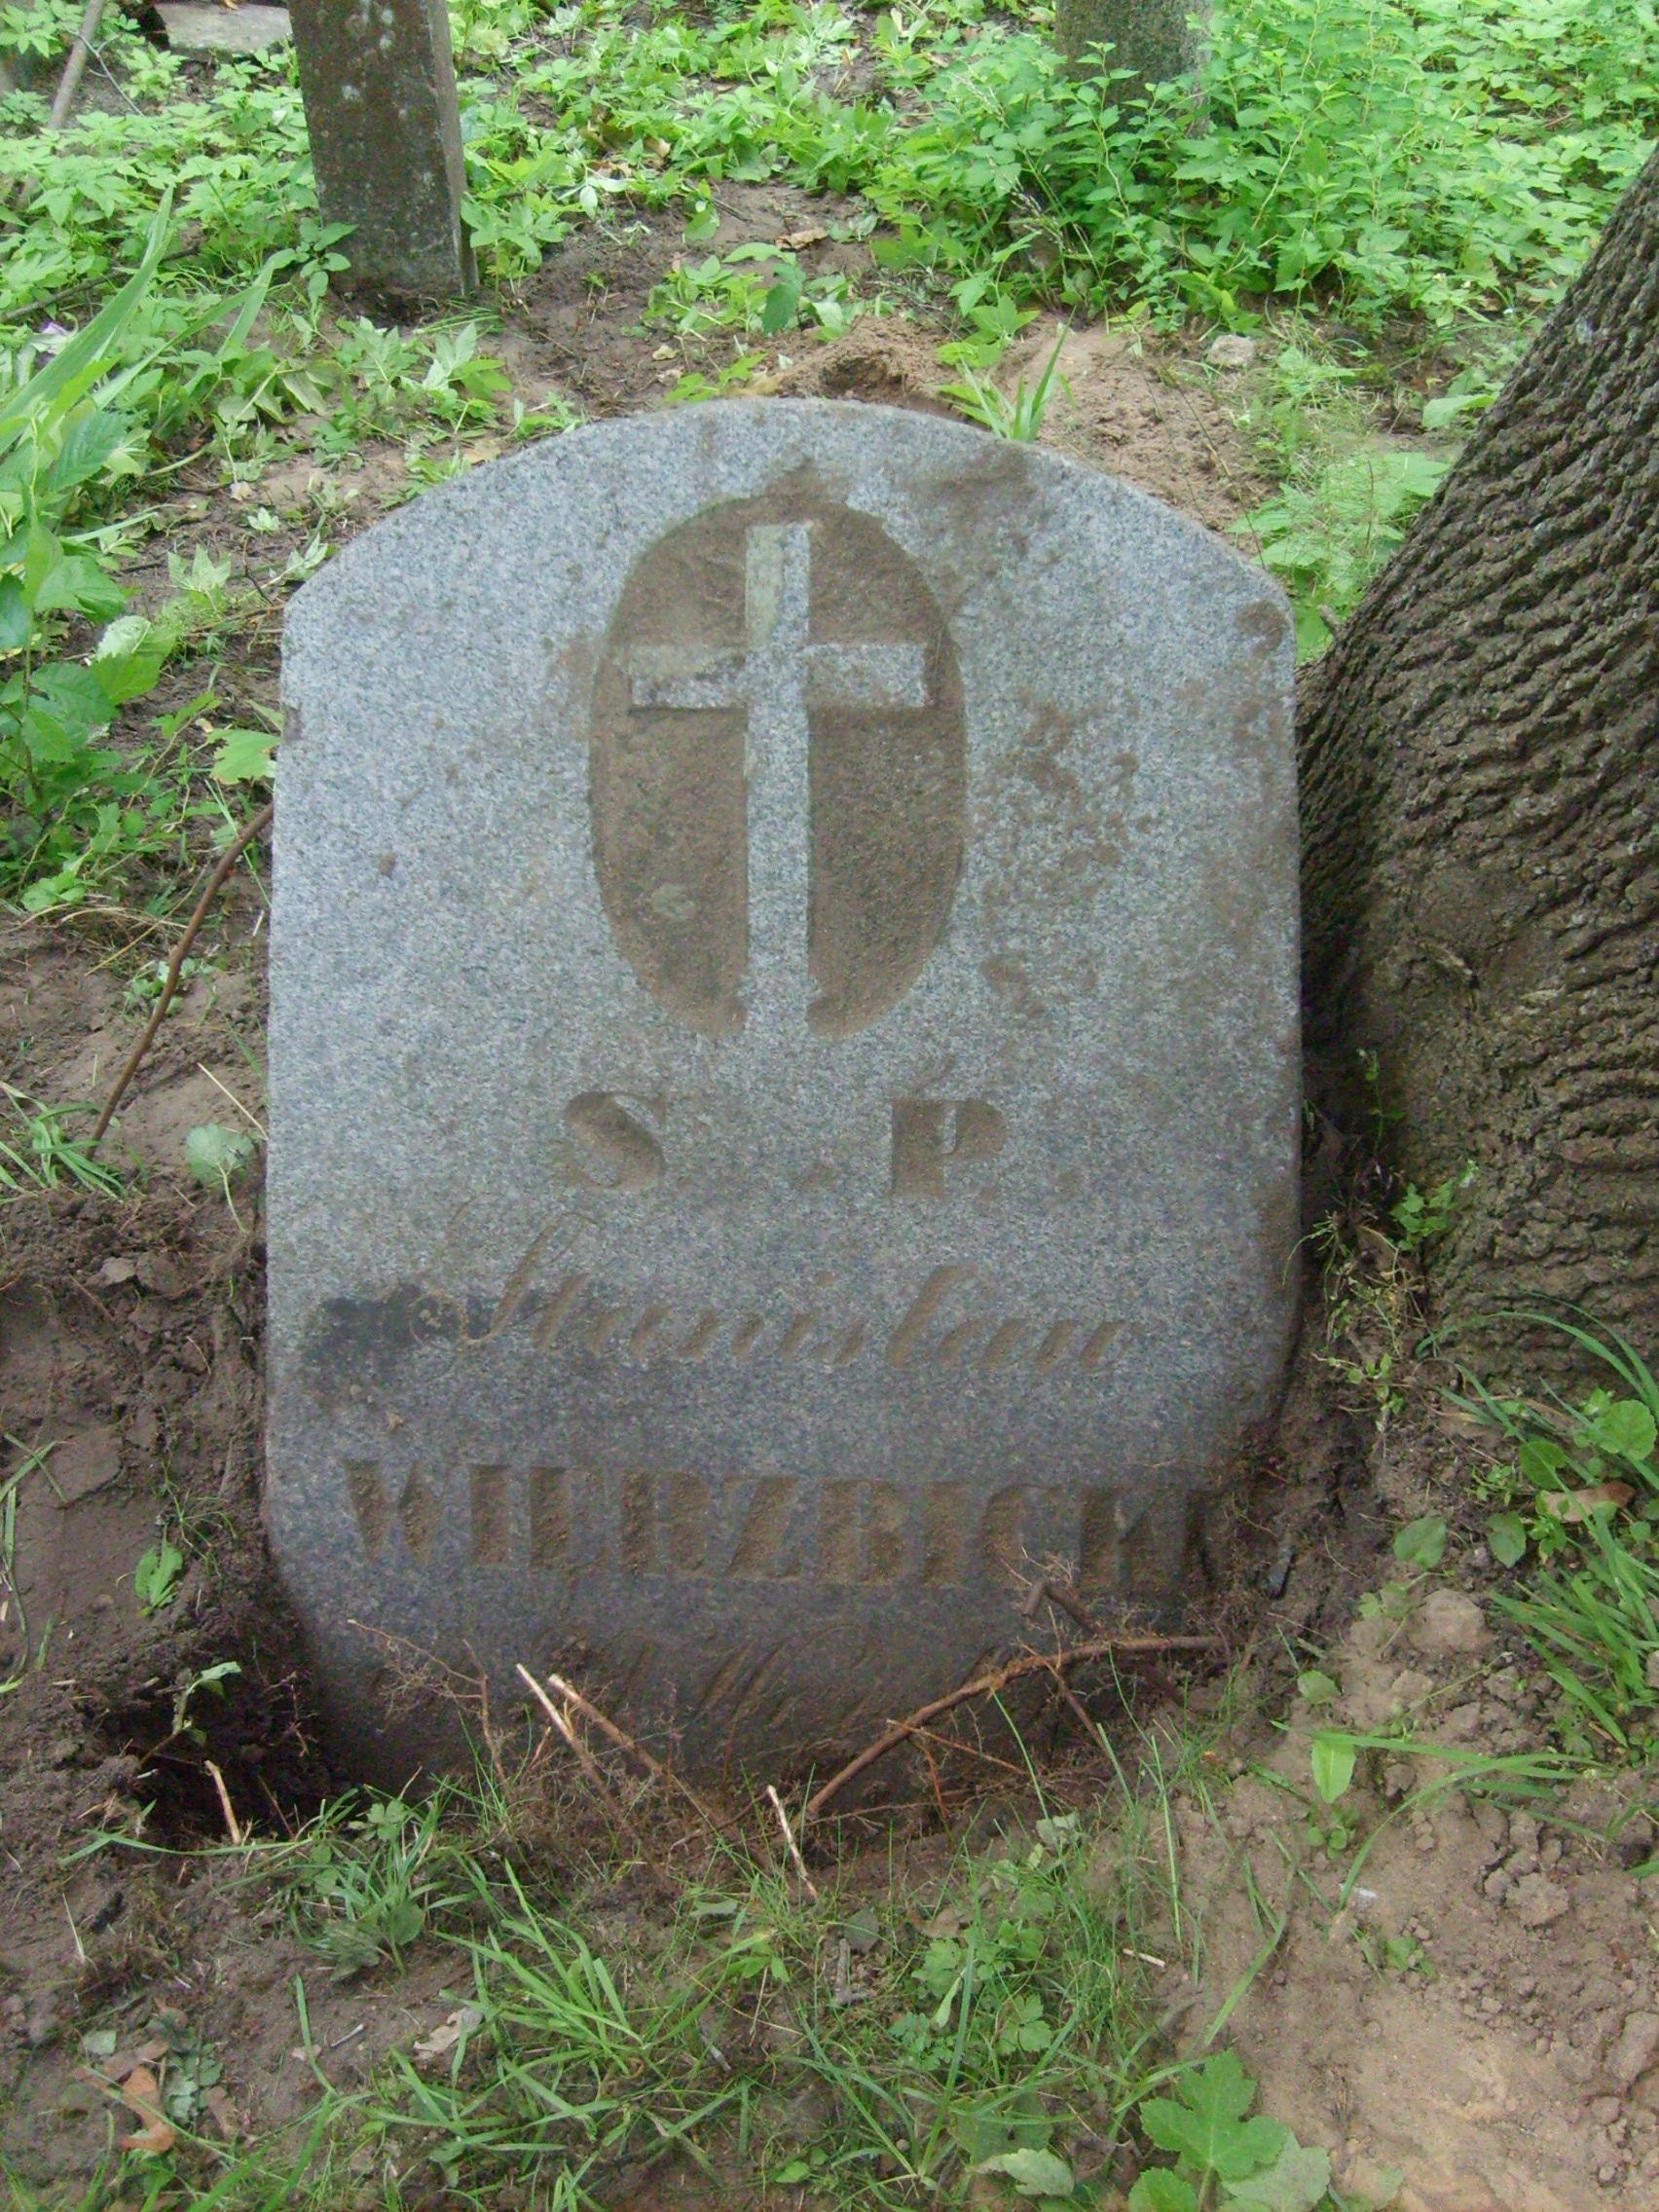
(784,1060)
(378,82)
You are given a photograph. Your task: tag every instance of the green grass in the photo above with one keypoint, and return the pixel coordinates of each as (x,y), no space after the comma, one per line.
(1415,155)
(875,2044)
(1578,1488)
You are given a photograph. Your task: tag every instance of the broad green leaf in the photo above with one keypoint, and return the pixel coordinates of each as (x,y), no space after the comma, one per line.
(1207,2127)
(1333,1761)
(1160,2190)
(72,699)
(41,555)
(75,585)
(1540,1461)
(243,756)
(1295,2182)
(1506,1538)
(155,1578)
(1421,1544)
(1033,2173)
(1317,1688)
(213,1153)
(89,444)
(13,616)
(782,304)
(128,675)
(1627,1429)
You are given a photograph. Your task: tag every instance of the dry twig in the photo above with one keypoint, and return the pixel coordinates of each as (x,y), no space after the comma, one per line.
(75,69)
(225,1805)
(227,860)
(596,1781)
(806,1881)
(636,1751)
(1057,1594)
(999,1679)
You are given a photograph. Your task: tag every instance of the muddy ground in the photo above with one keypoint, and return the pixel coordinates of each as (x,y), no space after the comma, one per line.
(1501,2055)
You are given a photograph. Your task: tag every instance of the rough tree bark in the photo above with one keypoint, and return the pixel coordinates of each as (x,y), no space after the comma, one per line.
(1480,820)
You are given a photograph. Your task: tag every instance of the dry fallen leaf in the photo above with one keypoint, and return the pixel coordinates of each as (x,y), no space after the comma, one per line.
(1457,1423)
(444,2039)
(224,2118)
(126,2062)
(141,2094)
(1580,1504)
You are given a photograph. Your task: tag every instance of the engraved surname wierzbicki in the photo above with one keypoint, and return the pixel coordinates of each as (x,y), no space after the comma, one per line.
(846,1531)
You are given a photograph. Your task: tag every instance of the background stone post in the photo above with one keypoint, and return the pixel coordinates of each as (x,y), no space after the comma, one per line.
(1152,37)
(379,85)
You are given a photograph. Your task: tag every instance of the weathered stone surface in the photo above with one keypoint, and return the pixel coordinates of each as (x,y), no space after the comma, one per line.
(784,1060)
(224,30)
(1155,37)
(379,86)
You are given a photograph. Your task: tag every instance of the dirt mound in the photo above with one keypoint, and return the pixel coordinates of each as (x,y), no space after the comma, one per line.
(880,360)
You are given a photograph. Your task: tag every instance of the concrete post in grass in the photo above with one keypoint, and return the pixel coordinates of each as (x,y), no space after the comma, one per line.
(1155,37)
(378,85)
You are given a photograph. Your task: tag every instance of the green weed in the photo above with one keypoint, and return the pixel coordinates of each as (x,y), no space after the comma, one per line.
(46,1157)
(1579,1486)
(1372,158)
(1019,418)
(366,1879)
(156,1578)
(1256,2161)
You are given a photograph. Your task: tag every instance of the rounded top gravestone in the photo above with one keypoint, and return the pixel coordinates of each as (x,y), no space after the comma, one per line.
(785,1065)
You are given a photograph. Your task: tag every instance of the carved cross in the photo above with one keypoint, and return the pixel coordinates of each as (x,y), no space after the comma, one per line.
(780,677)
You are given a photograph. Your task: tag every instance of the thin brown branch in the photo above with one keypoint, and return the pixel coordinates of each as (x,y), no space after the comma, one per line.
(75,69)
(596,1781)
(225,1806)
(957,1745)
(1061,1595)
(227,860)
(793,1848)
(999,1679)
(636,1751)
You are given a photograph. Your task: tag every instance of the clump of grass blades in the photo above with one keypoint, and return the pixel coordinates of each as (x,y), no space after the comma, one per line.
(47,1157)
(1592,1475)
(1003,2006)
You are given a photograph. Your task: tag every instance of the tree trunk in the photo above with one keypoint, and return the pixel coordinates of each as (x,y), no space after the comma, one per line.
(1481,822)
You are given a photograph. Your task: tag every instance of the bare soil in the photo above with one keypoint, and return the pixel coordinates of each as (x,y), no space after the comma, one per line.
(1496,2070)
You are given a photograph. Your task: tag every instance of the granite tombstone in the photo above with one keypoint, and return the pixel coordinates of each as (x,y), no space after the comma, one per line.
(784,1062)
